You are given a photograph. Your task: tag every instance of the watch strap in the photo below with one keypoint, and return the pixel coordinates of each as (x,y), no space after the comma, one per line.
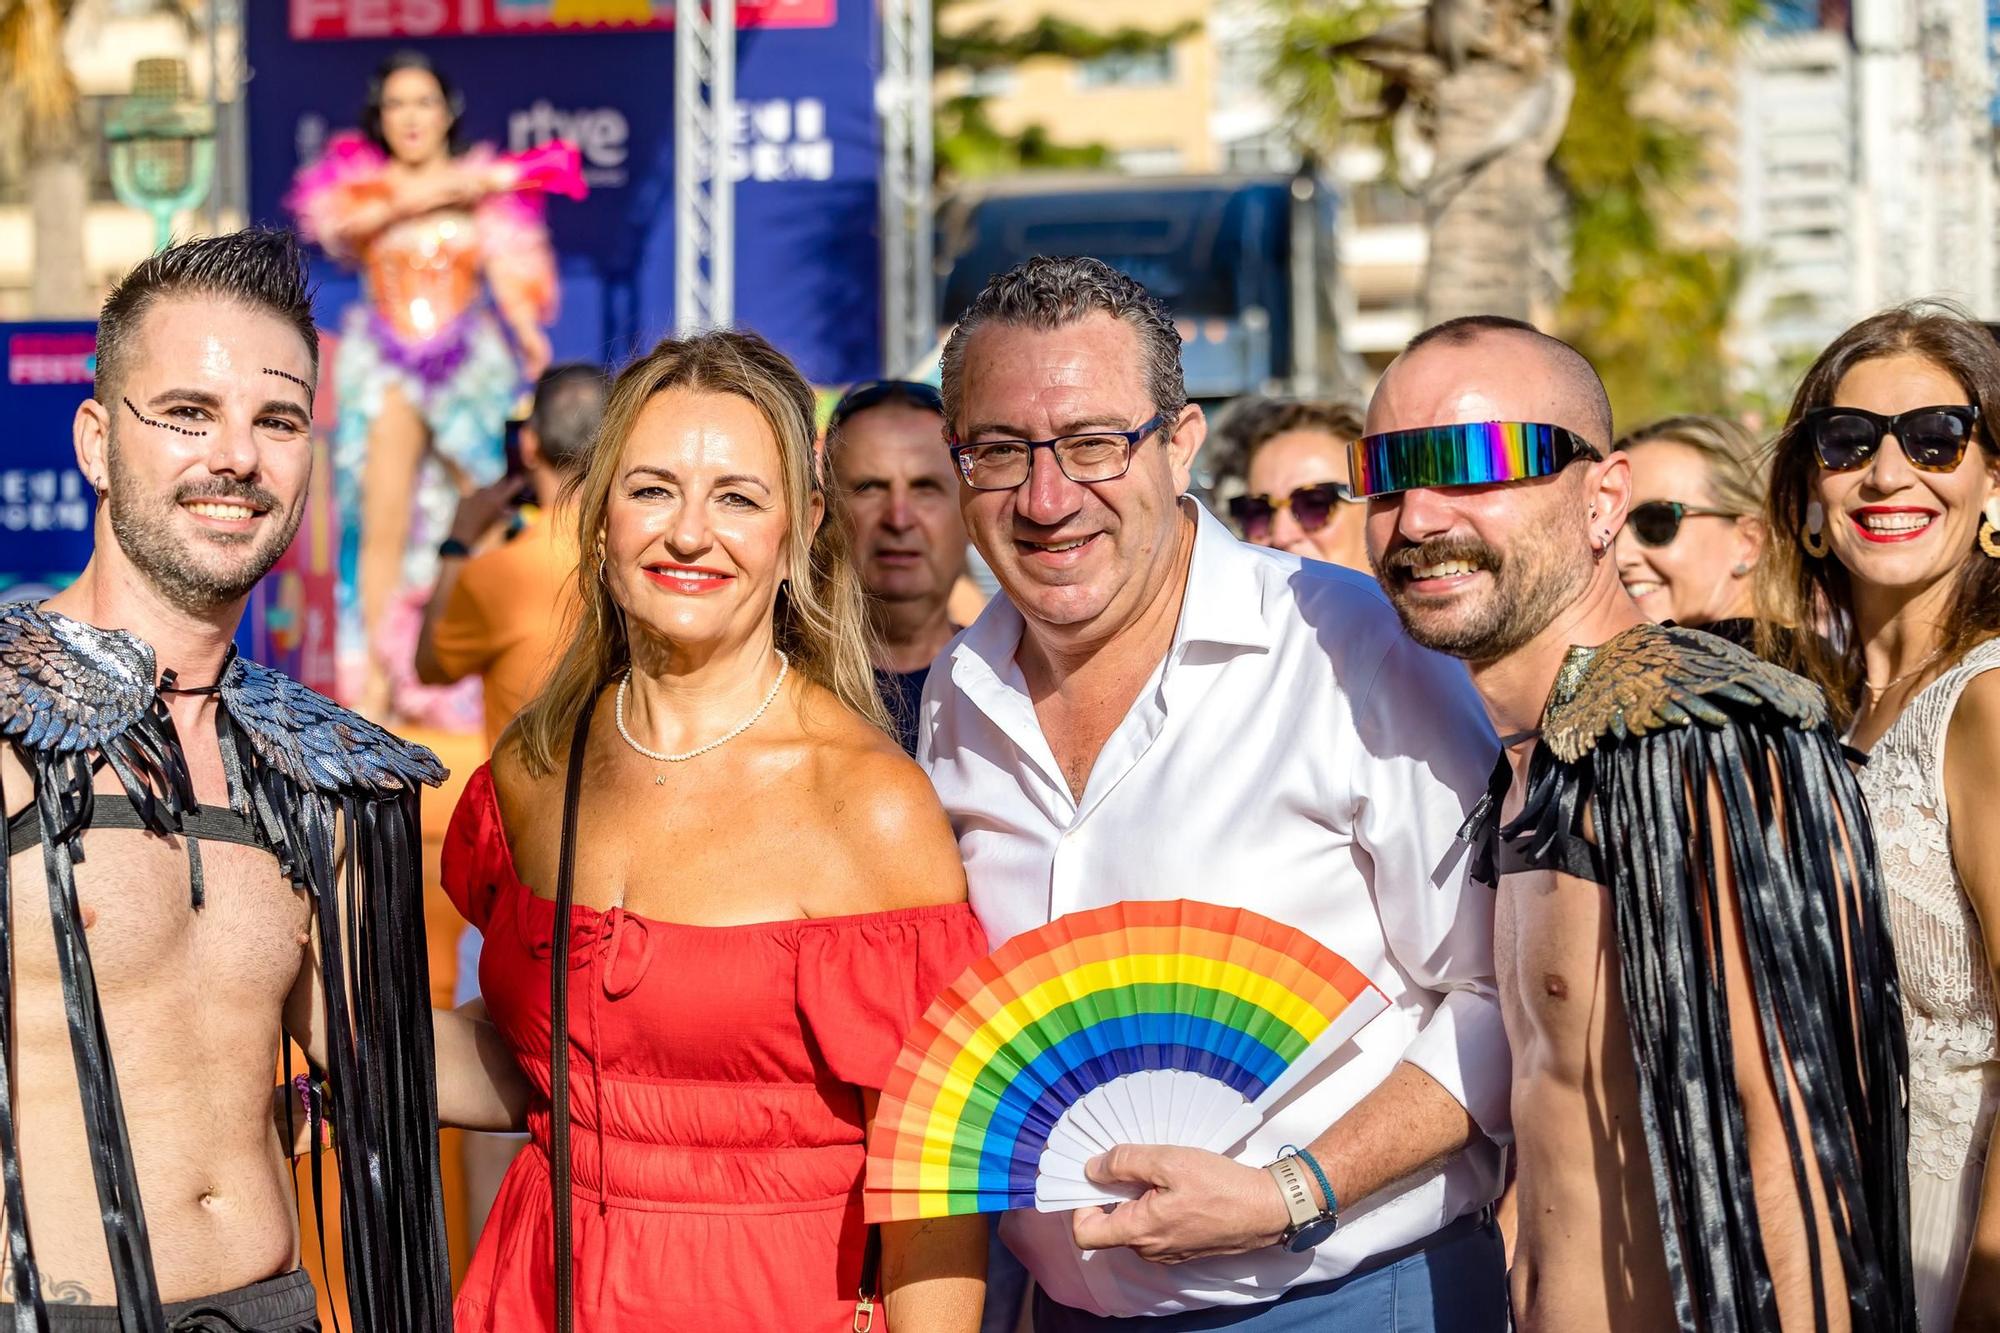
(1296,1190)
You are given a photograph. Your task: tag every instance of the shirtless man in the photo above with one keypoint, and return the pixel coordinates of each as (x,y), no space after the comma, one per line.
(159,949)
(1640,1011)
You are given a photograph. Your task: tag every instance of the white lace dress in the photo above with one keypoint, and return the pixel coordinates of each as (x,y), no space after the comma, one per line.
(1947,987)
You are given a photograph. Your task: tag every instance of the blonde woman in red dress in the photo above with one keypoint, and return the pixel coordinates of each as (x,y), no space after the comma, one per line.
(766,895)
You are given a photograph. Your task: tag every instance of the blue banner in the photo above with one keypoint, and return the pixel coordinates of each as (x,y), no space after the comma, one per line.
(47,508)
(808,255)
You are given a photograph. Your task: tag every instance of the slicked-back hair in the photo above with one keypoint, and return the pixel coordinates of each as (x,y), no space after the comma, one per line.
(1581,377)
(259,267)
(1052,292)
(371,113)
(1792,584)
(1248,424)
(569,406)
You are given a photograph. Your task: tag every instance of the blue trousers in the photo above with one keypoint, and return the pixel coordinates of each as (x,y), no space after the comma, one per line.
(1453,1284)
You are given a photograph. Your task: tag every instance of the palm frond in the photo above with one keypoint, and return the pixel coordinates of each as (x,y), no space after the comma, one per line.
(32,64)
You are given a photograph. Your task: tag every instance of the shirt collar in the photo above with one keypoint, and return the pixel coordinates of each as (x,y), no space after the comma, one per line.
(1223,604)
(1225,598)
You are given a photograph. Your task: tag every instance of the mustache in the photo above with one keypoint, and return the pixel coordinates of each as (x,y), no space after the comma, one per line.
(226,488)
(1439,550)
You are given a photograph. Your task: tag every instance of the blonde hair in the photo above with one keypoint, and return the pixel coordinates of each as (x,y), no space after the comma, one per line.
(1737,465)
(820,618)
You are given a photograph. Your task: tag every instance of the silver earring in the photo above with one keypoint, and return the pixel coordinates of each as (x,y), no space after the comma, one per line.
(1740,570)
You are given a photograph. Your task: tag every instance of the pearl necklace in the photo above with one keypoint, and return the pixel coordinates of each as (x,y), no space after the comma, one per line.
(660,779)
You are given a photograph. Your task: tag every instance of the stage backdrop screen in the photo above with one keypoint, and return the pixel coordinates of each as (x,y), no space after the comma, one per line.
(600,74)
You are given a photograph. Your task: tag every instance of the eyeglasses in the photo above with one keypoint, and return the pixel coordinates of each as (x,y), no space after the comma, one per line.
(1311,507)
(1098,455)
(1473,453)
(873,393)
(1658,522)
(1933,438)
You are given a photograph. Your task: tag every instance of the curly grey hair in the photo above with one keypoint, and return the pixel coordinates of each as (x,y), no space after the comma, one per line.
(1051,291)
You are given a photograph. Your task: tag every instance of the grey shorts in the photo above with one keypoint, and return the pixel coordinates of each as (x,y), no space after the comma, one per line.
(283,1304)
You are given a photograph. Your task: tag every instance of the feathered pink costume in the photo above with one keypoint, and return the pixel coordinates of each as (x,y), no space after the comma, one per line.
(439,290)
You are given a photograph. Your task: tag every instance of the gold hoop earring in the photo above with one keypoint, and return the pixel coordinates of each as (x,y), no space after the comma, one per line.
(1813,539)
(1989,531)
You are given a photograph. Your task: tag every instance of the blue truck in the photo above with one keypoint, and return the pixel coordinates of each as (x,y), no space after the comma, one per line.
(1245,262)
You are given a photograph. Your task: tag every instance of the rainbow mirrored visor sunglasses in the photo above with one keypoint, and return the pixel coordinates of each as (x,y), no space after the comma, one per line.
(1475,453)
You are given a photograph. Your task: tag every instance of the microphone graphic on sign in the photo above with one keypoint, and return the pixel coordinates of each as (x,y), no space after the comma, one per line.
(162,145)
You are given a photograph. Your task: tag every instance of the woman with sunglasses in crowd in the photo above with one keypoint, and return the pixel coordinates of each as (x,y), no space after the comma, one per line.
(1294,457)
(1885,510)
(1696,526)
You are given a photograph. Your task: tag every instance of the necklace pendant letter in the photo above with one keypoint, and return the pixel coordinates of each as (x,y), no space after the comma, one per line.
(659,779)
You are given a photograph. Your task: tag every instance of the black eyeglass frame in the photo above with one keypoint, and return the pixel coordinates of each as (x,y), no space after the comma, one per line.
(1966,413)
(1342,493)
(962,452)
(1681,513)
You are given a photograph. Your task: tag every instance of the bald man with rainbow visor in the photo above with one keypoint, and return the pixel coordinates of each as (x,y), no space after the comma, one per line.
(1694,965)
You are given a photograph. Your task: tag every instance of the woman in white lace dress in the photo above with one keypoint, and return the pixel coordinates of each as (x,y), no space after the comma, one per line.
(1885,509)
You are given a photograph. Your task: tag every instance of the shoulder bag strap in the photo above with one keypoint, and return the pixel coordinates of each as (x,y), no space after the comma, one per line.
(559,1027)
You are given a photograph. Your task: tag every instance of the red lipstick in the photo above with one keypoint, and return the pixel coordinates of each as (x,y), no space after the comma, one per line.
(688,580)
(1859,518)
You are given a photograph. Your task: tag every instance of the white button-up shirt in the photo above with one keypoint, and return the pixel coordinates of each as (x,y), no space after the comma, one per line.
(1295,754)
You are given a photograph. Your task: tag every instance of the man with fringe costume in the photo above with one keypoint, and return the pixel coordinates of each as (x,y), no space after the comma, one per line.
(1679,850)
(201,480)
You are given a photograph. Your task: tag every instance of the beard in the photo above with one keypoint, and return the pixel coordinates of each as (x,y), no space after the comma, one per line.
(1529,586)
(215,568)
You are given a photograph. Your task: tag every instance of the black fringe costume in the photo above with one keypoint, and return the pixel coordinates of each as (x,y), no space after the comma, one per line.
(1636,735)
(308,778)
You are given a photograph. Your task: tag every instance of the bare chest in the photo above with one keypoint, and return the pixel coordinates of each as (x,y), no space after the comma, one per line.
(1555,957)
(247,940)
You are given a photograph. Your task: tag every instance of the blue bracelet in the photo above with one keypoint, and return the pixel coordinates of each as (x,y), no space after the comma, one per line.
(1326,1187)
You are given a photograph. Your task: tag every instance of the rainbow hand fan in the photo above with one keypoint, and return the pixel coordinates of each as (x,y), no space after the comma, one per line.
(1143,1022)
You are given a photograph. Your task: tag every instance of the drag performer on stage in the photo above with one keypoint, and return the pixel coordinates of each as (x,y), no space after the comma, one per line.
(458,284)
(203,856)
(1693,952)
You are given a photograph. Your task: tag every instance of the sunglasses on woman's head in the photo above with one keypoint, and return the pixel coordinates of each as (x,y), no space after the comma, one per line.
(1933,438)
(1311,507)
(1658,522)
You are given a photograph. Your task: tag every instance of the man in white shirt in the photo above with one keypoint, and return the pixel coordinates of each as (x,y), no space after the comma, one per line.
(1157,711)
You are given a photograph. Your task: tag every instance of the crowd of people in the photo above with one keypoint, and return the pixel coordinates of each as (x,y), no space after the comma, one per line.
(1640,773)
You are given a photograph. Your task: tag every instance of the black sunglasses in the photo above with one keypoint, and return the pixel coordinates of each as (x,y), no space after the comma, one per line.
(1658,522)
(1311,507)
(873,393)
(1933,438)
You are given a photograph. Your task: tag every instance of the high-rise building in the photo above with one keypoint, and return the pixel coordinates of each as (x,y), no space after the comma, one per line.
(1800,230)
(1924,88)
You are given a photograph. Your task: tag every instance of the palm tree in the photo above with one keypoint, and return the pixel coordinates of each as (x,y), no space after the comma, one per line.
(42,104)
(43,94)
(1513,122)
(1474,95)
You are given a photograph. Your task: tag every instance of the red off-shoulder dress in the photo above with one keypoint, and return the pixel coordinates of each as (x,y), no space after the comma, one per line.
(715,1100)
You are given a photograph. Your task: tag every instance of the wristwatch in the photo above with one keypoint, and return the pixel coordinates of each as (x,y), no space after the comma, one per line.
(1310,1224)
